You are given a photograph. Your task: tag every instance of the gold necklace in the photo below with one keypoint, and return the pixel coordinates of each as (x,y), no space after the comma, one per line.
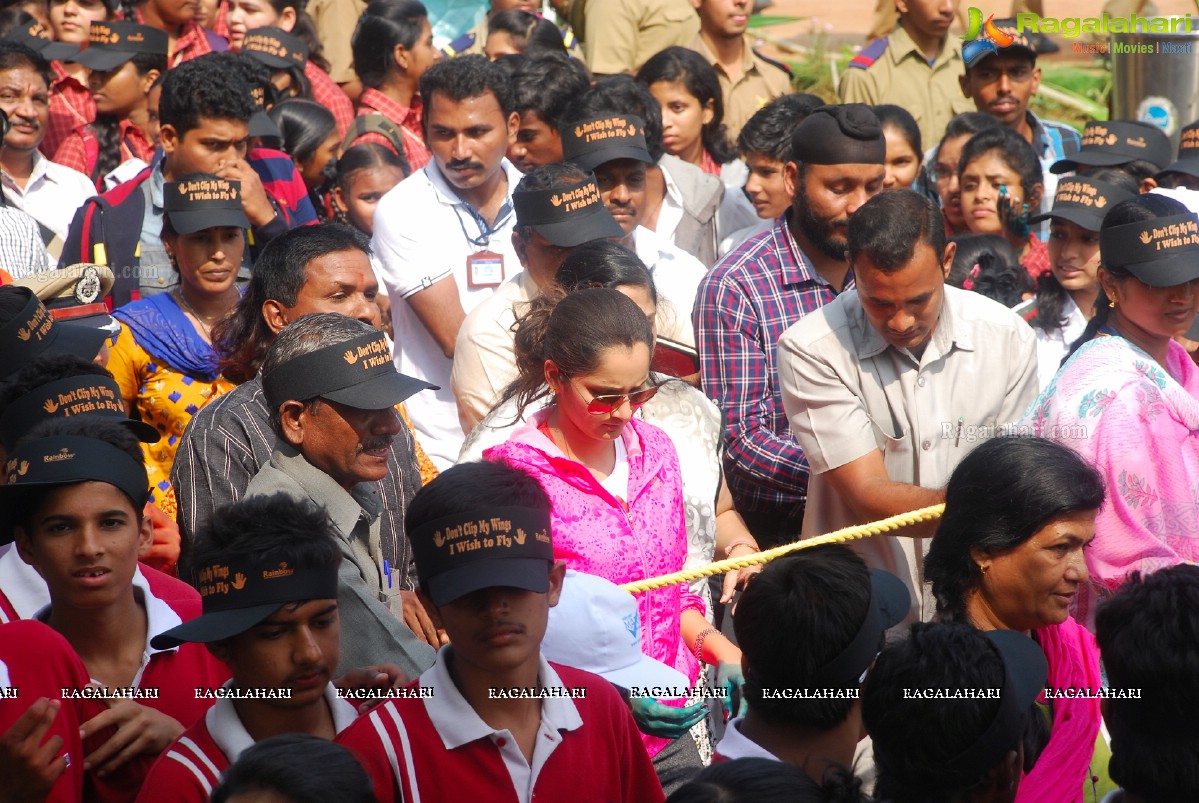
(200,319)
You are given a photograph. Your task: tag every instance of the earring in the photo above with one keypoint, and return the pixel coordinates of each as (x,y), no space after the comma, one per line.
(1112,303)
(983,568)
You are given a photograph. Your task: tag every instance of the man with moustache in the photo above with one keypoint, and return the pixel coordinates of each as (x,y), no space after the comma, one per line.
(443,238)
(332,389)
(889,386)
(767,284)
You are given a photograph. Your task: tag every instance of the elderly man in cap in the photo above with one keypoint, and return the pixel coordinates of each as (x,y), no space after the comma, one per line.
(332,389)
(881,383)
(767,284)
(558,208)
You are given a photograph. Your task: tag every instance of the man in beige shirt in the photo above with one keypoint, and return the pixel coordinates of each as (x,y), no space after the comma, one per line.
(917,67)
(888,386)
(558,208)
(747,80)
(623,34)
(335,21)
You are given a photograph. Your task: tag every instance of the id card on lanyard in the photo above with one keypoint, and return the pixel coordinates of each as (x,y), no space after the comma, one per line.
(484,269)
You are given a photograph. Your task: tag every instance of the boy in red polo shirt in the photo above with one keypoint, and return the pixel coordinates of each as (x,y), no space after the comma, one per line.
(267,573)
(73,501)
(492,719)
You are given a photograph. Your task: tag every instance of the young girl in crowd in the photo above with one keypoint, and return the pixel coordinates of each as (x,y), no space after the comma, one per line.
(1001,185)
(1127,399)
(1066,295)
(515,31)
(613,479)
(289,16)
(903,146)
(987,264)
(122,129)
(310,137)
(687,89)
(71,102)
(365,172)
(943,173)
(163,358)
(176,18)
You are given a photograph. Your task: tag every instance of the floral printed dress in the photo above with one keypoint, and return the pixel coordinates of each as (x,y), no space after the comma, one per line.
(1138,423)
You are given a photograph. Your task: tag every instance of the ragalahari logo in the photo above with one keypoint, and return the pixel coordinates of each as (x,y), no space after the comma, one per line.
(982,39)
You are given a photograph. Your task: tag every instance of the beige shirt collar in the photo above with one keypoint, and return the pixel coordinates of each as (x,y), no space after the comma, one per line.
(868,342)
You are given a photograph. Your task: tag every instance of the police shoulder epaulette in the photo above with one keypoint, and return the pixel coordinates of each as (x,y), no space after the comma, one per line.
(460,44)
(870,53)
(780,64)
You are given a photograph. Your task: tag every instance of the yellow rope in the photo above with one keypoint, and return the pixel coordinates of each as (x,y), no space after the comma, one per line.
(847,534)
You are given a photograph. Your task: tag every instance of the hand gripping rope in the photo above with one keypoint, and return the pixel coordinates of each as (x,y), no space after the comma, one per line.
(836,537)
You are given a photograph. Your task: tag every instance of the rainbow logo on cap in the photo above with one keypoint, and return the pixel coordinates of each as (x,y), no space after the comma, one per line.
(982,39)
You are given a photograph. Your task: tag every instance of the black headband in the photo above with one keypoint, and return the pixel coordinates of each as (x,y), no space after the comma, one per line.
(241,581)
(83,394)
(1162,252)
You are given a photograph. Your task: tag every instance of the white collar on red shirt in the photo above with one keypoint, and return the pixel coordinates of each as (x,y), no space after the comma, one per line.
(27,593)
(734,744)
(160,617)
(458,724)
(225,728)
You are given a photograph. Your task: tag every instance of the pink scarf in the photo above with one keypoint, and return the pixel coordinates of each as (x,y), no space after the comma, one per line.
(1063,766)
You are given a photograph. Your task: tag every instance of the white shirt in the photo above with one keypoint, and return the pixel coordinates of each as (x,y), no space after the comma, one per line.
(617,483)
(226,728)
(734,745)
(51,196)
(1053,346)
(677,275)
(421,236)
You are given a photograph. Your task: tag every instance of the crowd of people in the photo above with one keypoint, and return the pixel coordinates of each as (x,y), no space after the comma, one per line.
(346,379)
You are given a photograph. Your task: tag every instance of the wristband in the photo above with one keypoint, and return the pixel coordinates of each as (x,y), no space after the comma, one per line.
(699,642)
(728,550)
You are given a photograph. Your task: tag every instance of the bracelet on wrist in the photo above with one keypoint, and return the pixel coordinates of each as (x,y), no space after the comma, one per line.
(699,642)
(728,550)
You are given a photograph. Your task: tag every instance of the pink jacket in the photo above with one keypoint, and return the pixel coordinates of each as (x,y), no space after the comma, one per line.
(593,534)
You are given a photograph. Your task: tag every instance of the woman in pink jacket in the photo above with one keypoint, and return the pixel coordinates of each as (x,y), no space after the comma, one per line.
(615,485)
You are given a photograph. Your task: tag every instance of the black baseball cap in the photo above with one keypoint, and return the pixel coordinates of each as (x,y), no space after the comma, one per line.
(1106,143)
(35,37)
(84,394)
(1163,252)
(590,143)
(566,216)
(1025,671)
(242,590)
(202,201)
(483,548)
(1084,201)
(358,373)
(66,460)
(111,44)
(1188,152)
(890,603)
(33,332)
(275,48)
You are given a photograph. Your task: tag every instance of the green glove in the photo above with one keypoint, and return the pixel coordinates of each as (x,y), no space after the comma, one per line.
(665,721)
(732,680)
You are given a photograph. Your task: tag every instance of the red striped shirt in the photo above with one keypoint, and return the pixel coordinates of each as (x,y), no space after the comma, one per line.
(408,118)
(71,105)
(330,95)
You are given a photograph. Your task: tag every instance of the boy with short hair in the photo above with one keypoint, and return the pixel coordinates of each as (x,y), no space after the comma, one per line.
(492,719)
(267,574)
(73,501)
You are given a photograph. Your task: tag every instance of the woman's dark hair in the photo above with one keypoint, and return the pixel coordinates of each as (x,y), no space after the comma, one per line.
(1012,148)
(917,740)
(242,339)
(1051,296)
(383,25)
(988,265)
(107,127)
(300,768)
(304,124)
(1133,210)
(603,263)
(530,33)
(899,118)
(764,780)
(683,65)
(967,123)
(573,331)
(305,29)
(1002,493)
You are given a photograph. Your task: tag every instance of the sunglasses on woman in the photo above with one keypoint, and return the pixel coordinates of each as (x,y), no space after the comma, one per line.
(607,403)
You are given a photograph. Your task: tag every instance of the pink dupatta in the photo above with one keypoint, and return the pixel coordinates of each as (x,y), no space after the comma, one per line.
(1064,764)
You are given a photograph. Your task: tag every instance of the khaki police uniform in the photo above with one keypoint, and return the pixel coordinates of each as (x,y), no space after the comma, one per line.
(760,82)
(623,34)
(474,42)
(893,70)
(335,22)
